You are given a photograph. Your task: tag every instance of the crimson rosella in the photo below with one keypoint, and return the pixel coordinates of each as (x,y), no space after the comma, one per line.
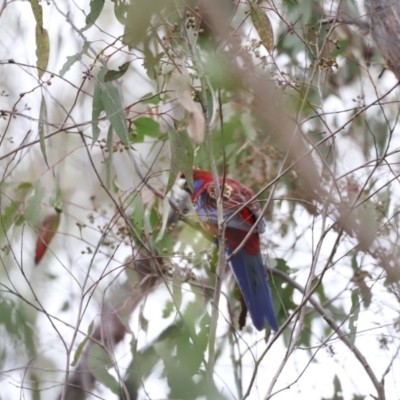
(246,264)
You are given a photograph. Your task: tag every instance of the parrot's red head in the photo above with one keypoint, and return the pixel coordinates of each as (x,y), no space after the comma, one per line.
(200,177)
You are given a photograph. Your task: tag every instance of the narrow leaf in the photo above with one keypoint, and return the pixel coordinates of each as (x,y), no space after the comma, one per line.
(113,107)
(182,154)
(337,388)
(71,60)
(42,38)
(111,74)
(263,26)
(98,362)
(96,6)
(97,108)
(165,215)
(109,159)
(82,345)
(177,287)
(355,311)
(42,118)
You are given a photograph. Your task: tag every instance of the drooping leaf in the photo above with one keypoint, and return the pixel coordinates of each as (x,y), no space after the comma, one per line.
(355,311)
(71,60)
(177,287)
(120,10)
(109,158)
(46,233)
(106,98)
(42,119)
(82,345)
(182,154)
(32,211)
(42,39)
(112,75)
(165,213)
(113,108)
(338,395)
(96,6)
(98,362)
(135,201)
(35,385)
(8,218)
(263,26)
(97,108)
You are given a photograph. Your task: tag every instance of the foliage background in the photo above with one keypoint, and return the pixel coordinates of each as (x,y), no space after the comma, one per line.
(102,104)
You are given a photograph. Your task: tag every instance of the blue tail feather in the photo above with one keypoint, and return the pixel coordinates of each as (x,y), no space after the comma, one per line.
(250,274)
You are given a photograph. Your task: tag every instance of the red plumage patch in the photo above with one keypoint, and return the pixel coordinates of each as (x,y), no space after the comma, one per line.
(234,237)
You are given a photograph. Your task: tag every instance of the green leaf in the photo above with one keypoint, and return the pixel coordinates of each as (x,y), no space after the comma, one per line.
(177,287)
(165,214)
(153,219)
(138,213)
(152,64)
(42,117)
(56,199)
(71,60)
(113,107)
(98,362)
(32,211)
(354,263)
(150,98)
(42,38)
(106,98)
(182,155)
(147,126)
(24,186)
(337,389)
(96,6)
(8,218)
(263,26)
(138,18)
(97,108)
(135,137)
(109,159)
(111,74)
(355,311)
(82,344)
(120,10)
(168,308)
(35,386)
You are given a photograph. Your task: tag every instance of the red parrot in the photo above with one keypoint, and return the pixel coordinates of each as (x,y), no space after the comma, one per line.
(247,265)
